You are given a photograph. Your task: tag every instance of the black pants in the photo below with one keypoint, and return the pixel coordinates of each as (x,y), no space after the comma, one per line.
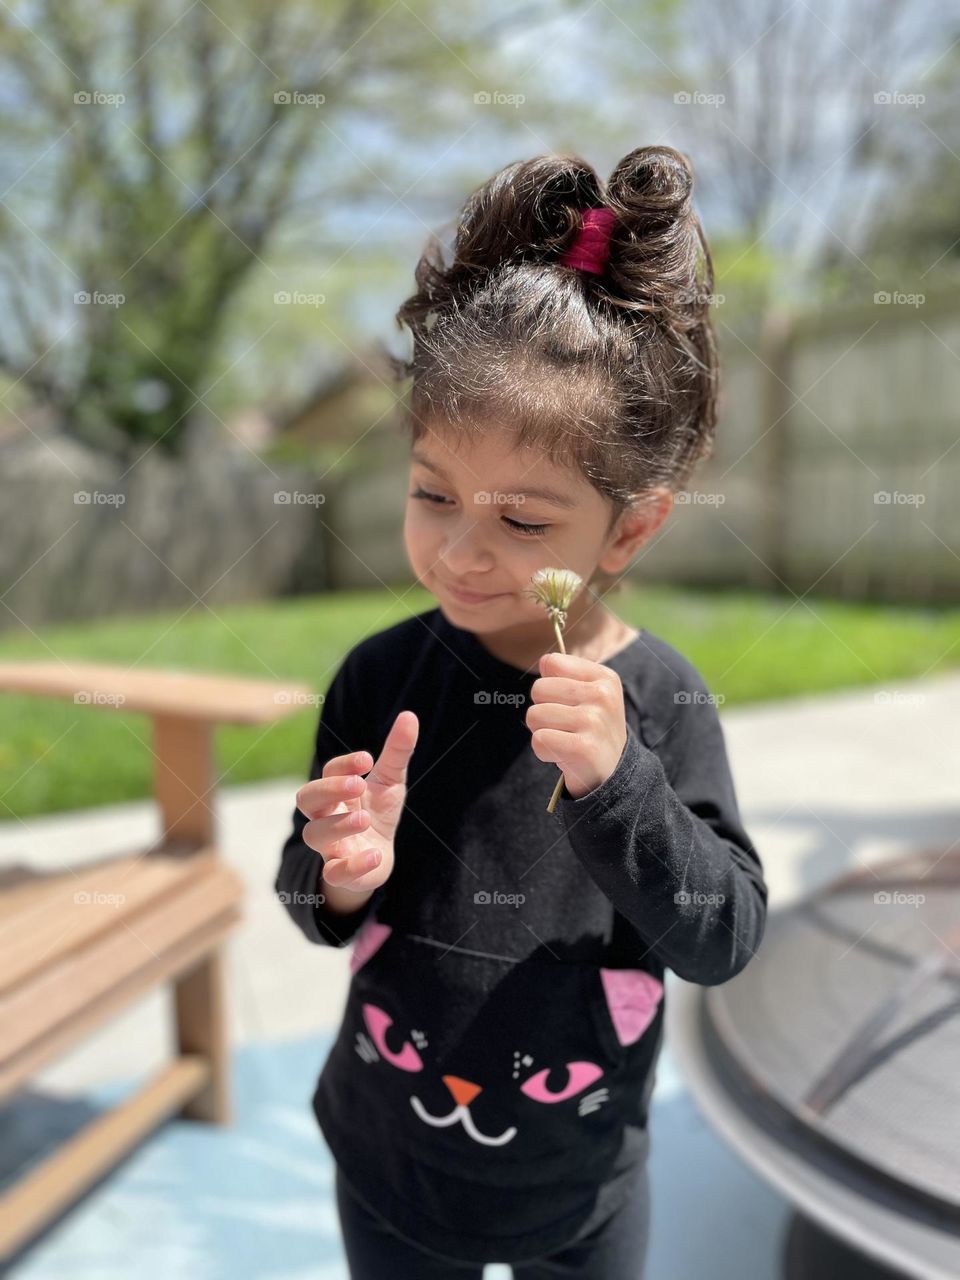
(615,1250)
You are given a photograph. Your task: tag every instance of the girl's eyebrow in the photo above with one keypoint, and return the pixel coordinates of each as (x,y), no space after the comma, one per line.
(553,496)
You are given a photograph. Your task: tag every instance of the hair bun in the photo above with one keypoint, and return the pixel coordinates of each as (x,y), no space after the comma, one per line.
(526,211)
(659,258)
(652,184)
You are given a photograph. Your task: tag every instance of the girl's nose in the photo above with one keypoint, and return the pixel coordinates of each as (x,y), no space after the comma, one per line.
(464,553)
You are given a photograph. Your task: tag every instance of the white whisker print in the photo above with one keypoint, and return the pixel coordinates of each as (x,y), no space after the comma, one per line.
(366,1048)
(592,1101)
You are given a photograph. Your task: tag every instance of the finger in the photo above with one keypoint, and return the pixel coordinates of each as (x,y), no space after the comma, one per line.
(322,796)
(571,664)
(562,689)
(351,765)
(554,715)
(350,872)
(556,745)
(323,834)
(391,765)
(352,762)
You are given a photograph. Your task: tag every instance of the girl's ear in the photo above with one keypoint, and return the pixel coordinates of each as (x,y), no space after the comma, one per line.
(636,525)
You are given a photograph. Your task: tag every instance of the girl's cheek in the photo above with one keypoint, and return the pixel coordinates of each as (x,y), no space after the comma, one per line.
(411,521)
(418,538)
(410,537)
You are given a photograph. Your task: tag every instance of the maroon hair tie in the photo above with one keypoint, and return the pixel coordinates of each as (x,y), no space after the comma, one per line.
(591,248)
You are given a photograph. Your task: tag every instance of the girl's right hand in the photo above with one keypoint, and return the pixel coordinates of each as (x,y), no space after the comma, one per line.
(352,817)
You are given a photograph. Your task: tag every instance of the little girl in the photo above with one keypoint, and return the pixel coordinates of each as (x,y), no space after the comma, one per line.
(486,1099)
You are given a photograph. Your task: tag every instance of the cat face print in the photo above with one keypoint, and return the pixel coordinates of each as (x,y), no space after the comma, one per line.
(497,1053)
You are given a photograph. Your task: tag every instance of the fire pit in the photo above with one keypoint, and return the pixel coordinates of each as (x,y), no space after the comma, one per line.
(832,1065)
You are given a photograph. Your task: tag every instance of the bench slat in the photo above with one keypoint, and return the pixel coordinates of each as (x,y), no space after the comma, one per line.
(78,1163)
(35,1008)
(194,695)
(169,968)
(47,917)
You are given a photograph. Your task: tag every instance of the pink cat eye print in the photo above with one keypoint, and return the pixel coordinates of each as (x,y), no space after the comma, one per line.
(377,1023)
(579,1075)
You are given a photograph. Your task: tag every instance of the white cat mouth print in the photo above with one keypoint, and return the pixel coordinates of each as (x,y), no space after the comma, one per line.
(461,1113)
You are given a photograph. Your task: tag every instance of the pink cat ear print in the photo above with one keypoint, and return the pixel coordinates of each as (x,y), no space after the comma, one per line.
(370,938)
(632,998)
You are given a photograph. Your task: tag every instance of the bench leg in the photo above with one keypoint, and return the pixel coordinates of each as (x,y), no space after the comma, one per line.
(184,779)
(200,1013)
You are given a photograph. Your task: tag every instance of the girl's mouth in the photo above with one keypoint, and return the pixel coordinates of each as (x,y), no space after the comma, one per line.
(472,597)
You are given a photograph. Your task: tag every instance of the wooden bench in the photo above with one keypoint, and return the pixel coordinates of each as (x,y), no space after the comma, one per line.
(78,946)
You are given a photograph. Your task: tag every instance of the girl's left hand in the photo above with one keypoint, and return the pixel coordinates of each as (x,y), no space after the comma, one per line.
(577,719)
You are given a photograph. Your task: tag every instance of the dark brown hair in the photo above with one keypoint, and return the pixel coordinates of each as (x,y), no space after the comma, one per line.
(614,374)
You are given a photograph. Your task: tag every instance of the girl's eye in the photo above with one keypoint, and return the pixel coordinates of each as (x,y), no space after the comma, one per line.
(528,530)
(420,492)
(534,530)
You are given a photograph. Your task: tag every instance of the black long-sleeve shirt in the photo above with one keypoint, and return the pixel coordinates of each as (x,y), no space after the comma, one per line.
(488,1090)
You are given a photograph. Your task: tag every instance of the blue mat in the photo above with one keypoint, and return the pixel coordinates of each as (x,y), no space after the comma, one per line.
(256,1200)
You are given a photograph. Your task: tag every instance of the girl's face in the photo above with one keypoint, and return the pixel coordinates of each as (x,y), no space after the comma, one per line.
(482,519)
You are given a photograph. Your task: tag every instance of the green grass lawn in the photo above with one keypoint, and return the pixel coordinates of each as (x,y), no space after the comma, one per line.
(55,755)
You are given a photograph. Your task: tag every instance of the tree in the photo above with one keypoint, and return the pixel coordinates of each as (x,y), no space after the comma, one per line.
(155,152)
(789,112)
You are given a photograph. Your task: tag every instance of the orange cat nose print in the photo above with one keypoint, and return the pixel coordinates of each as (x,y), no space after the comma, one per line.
(463,1091)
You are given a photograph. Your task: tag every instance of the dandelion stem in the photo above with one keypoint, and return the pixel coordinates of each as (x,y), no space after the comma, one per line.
(559,787)
(552,804)
(555,589)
